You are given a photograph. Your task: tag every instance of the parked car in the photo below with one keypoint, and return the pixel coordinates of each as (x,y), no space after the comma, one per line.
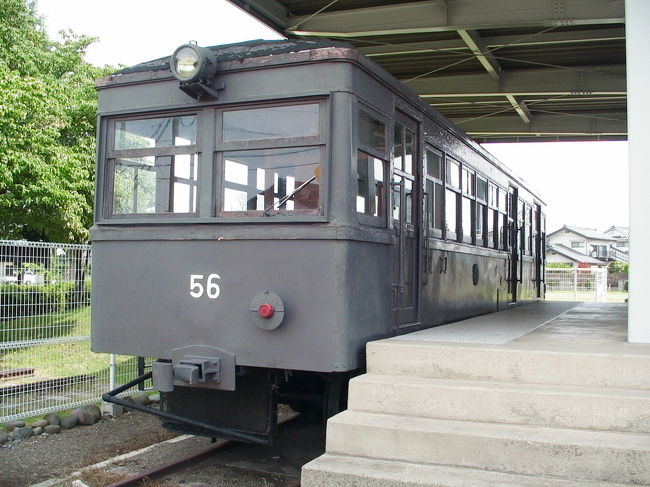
(29,277)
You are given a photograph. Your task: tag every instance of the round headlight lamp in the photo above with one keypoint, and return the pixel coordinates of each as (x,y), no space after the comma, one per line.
(191,62)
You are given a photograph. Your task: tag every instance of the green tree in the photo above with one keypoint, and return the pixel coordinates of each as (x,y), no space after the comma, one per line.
(618,267)
(47,129)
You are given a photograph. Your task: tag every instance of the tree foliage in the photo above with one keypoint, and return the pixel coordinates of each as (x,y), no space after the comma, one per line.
(619,267)
(47,129)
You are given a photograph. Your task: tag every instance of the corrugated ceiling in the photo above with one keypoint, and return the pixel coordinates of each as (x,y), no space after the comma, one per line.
(503,70)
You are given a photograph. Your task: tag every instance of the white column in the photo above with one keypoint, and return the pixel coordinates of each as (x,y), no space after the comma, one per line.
(637,28)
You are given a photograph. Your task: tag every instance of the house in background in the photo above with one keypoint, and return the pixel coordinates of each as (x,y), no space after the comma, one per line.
(590,242)
(562,254)
(620,249)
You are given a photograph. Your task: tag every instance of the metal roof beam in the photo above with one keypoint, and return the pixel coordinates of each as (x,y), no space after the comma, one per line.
(440,16)
(608,124)
(546,38)
(594,80)
(481,51)
(520,107)
(492,66)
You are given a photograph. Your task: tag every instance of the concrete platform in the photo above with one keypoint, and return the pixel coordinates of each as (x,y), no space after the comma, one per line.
(545,394)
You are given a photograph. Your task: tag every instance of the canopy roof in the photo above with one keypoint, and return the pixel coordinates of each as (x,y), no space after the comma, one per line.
(502,70)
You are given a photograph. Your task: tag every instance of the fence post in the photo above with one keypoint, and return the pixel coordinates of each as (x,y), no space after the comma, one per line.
(111,368)
(575,283)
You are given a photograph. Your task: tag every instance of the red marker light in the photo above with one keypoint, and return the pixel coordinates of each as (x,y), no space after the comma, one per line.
(266,310)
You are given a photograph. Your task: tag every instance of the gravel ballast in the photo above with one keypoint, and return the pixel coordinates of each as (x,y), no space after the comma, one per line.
(49,456)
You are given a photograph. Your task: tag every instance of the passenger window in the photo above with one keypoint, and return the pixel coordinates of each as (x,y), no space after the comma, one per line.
(453,203)
(409,152)
(480,221)
(153,133)
(271,161)
(453,173)
(451,208)
(154,165)
(435,192)
(468,217)
(482,214)
(398,148)
(501,232)
(467,220)
(272,180)
(434,164)
(408,192)
(372,170)
(371,190)
(372,132)
(271,123)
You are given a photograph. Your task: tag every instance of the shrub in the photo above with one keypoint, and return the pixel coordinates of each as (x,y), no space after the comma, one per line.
(618,267)
(35,299)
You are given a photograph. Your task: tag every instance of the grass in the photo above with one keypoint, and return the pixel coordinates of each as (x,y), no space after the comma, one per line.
(62,360)
(57,360)
(73,322)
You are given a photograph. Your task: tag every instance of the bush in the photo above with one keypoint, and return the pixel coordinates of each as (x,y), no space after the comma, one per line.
(618,267)
(36,299)
(558,265)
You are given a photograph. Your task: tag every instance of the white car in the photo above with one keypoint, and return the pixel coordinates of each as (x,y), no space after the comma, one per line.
(29,277)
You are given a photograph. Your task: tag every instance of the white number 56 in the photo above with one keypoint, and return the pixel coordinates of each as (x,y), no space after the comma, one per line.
(211,288)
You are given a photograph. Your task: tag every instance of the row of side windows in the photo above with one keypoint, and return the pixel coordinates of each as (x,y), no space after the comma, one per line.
(459,204)
(462,205)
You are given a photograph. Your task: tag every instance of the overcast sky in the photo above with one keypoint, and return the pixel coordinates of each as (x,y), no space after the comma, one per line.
(583,183)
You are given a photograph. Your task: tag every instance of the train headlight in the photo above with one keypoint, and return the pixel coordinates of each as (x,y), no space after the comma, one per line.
(191,63)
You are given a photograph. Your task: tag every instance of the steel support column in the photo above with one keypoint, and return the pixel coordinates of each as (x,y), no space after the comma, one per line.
(637,18)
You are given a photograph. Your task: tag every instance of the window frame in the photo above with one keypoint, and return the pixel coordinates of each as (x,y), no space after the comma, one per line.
(468,193)
(493,209)
(482,206)
(430,208)
(384,157)
(449,234)
(110,155)
(320,141)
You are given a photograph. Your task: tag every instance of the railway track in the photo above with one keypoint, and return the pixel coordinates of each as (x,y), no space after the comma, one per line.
(194,460)
(188,461)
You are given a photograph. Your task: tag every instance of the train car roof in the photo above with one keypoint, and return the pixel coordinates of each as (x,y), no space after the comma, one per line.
(243,50)
(255,51)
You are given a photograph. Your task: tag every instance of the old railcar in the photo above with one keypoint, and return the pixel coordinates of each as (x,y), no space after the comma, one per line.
(264,209)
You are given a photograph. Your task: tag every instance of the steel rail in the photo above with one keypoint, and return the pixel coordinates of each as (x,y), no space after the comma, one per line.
(172,465)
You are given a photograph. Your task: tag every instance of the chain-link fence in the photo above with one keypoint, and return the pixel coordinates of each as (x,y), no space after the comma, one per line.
(45,359)
(577,284)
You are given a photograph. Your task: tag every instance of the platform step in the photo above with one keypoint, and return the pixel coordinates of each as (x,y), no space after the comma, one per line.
(627,370)
(524,450)
(503,402)
(337,470)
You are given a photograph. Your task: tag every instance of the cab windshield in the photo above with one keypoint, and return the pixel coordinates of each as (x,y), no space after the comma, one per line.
(266,161)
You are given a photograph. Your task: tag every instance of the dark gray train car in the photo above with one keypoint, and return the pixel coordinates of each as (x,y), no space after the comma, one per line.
(264,209)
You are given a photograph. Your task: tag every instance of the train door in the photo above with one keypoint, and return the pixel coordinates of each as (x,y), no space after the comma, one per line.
(513,238)
(405,219)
